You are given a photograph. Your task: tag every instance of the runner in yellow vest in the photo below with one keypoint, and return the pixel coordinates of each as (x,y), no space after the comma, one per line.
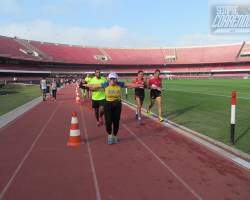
(98,97)
(113,105)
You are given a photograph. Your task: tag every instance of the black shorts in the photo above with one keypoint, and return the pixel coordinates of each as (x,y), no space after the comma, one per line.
(155,93)
(139,92)
(140,96)
(98,103)
(83,87)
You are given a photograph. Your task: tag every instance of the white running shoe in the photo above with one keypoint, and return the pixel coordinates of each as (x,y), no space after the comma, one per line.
(110,139)
(115,140)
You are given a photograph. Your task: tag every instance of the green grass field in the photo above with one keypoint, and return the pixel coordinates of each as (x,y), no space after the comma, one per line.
(13,96)
(204,105)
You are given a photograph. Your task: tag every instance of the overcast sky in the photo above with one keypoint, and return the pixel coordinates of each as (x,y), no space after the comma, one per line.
(112,23)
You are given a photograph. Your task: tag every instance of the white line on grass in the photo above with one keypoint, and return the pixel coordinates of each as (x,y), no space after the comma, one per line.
(92,165)
(27,154)
(210,94)
(197,196)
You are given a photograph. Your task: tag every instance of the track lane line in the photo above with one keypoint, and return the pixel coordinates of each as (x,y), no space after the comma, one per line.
(27,154)
(195,194)
(198,138)
(92,165)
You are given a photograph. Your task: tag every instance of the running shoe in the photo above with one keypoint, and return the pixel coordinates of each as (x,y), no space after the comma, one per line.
(149,113)
(110,139)
(139,118)
(161,119)
(136,116)
(115,140)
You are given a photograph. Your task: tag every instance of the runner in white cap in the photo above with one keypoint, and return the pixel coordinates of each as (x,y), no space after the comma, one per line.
(113,105)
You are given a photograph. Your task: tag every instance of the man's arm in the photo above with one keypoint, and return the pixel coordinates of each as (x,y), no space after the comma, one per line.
(132,85)
(93,86)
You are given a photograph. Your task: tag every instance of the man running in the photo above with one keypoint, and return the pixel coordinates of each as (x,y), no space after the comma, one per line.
(43,86)
(98,97)
(54,88)
(83,89)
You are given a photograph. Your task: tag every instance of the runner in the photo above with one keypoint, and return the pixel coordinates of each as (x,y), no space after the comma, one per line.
(83,89)
(139,93)
(54,88)
(113,105)
(43,86)
(87,80)
(98,97)
(155,94)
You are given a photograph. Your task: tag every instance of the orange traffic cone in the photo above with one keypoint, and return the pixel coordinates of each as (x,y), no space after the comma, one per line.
(74,134)
(78,100)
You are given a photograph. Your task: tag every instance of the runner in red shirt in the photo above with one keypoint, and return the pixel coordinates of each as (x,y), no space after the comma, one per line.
(139,93)
(155,93)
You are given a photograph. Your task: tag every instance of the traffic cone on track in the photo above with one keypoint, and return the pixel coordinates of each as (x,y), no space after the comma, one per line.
(74,134)
(78,99)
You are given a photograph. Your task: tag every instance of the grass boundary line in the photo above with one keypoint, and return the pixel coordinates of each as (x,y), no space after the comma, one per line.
(209,94)
(12,115)
(17,112)
(235,155)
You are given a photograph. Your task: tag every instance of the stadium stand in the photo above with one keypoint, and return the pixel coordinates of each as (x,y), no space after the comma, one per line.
(33,49)
(11,49)
(18,54)
(69,54)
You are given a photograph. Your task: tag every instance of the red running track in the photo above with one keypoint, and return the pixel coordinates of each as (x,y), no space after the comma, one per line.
(150,162)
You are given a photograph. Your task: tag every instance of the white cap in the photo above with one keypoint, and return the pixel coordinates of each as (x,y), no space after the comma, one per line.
(113,75)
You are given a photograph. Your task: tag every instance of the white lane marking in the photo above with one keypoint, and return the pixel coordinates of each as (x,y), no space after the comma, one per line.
(27,154)
(163,163)
(211,144)
(92,165)
(241,162)
(213,147)
(210,94)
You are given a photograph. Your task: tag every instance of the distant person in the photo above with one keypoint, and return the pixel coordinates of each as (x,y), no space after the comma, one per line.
(98,97)
(155,86)
(62,82)
(83,88)
(113,105)
(48,89)
(54,88)
(43,86)
(139,93)
(87,80)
